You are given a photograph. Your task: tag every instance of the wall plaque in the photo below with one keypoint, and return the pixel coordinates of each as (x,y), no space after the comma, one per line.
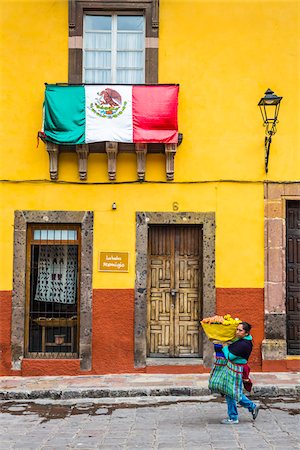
(113,261)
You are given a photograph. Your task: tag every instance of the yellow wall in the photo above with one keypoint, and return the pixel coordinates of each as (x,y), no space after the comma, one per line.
(239,249)
(224,54)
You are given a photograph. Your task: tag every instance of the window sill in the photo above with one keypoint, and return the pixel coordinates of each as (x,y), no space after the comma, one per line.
(48,355)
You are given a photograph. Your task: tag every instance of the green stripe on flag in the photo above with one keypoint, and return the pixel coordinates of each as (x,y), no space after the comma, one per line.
(64,121)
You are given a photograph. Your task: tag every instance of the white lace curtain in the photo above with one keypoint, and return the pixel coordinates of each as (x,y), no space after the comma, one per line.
(57,274)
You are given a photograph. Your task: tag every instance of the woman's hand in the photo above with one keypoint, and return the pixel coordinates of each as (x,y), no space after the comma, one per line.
(224,344)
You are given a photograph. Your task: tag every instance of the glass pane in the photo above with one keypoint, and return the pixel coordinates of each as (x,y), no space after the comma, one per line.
(133,23)
(99,41)
(97,60)
(47,234)
(130,76)
(64,234)
(97,76)
(98,22)
(72,235)
(130,59)
(130,41)
(57,235)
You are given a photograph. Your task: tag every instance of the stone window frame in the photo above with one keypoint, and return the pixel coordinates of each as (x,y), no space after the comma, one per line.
(77,9)
(274,345)
(143,220)
(21,221)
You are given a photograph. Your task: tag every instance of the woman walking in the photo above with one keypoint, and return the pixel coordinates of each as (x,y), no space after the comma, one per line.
(238,354)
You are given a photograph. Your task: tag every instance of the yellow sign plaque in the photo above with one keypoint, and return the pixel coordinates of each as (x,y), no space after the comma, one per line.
(113,262)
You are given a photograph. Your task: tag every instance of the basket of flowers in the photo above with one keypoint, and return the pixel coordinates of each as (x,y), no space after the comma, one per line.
(220,328)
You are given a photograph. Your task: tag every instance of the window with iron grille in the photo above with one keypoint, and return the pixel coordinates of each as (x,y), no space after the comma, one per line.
(52,288)
(113,49)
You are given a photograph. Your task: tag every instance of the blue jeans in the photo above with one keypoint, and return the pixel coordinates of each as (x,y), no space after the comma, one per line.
(232,407)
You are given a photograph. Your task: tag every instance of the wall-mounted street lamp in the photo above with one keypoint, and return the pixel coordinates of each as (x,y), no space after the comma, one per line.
(269,108)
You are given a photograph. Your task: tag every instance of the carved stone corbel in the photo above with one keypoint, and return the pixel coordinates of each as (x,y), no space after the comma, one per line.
(141,152)
(52,150)
(82,153)
(111,149)
(170,150)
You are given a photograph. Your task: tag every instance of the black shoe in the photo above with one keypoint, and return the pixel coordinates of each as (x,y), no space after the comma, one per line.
(255,411)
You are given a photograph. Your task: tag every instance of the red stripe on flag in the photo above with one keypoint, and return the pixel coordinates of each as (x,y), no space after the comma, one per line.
(154,114)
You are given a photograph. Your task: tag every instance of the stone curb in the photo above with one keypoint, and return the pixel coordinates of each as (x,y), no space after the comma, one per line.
(56,394)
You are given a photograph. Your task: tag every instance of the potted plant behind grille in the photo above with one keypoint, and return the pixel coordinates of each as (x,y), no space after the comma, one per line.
(59,339)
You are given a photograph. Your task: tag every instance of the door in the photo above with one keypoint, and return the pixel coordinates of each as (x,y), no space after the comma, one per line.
(174,291)
(293,277)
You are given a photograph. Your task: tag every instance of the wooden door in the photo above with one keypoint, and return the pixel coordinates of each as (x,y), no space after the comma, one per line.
(174,291)
(293,277)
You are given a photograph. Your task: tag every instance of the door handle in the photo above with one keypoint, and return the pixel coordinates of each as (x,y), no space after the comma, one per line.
(173,292)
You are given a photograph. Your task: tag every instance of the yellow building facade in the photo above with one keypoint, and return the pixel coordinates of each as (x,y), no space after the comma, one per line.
(224,55)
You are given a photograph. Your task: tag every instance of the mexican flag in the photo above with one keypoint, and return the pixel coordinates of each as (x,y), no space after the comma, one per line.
(119,113)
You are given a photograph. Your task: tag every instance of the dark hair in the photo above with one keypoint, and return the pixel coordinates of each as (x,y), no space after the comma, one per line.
(246,327)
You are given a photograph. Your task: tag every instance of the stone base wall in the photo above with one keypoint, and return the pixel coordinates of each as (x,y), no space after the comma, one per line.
(113,337)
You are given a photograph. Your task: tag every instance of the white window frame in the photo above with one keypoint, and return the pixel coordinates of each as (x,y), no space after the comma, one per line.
(113,50)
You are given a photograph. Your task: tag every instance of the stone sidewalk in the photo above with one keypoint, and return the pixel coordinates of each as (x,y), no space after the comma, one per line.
(138,385)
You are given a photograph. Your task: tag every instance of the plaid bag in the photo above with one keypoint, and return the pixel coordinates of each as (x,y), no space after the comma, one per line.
(226,378)
(217,375)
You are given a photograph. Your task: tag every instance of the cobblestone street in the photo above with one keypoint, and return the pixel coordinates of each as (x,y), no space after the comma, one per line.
(151,423)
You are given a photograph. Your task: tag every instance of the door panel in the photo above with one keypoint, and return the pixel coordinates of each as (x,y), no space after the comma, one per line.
(293,277)
(174,291)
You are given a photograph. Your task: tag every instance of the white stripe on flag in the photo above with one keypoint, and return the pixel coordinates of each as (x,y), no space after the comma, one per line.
(108,113)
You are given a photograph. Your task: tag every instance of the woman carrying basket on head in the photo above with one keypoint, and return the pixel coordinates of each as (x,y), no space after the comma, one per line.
(227,378)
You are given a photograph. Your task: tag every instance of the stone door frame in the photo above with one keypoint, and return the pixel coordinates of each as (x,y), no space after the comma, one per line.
(143,220)
(274,346)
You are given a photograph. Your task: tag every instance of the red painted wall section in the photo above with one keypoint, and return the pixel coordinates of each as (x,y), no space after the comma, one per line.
(247,305)
(50,367)
(5,330)
(113,335)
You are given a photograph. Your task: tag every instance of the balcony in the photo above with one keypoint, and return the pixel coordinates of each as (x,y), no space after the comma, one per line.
(85,119)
